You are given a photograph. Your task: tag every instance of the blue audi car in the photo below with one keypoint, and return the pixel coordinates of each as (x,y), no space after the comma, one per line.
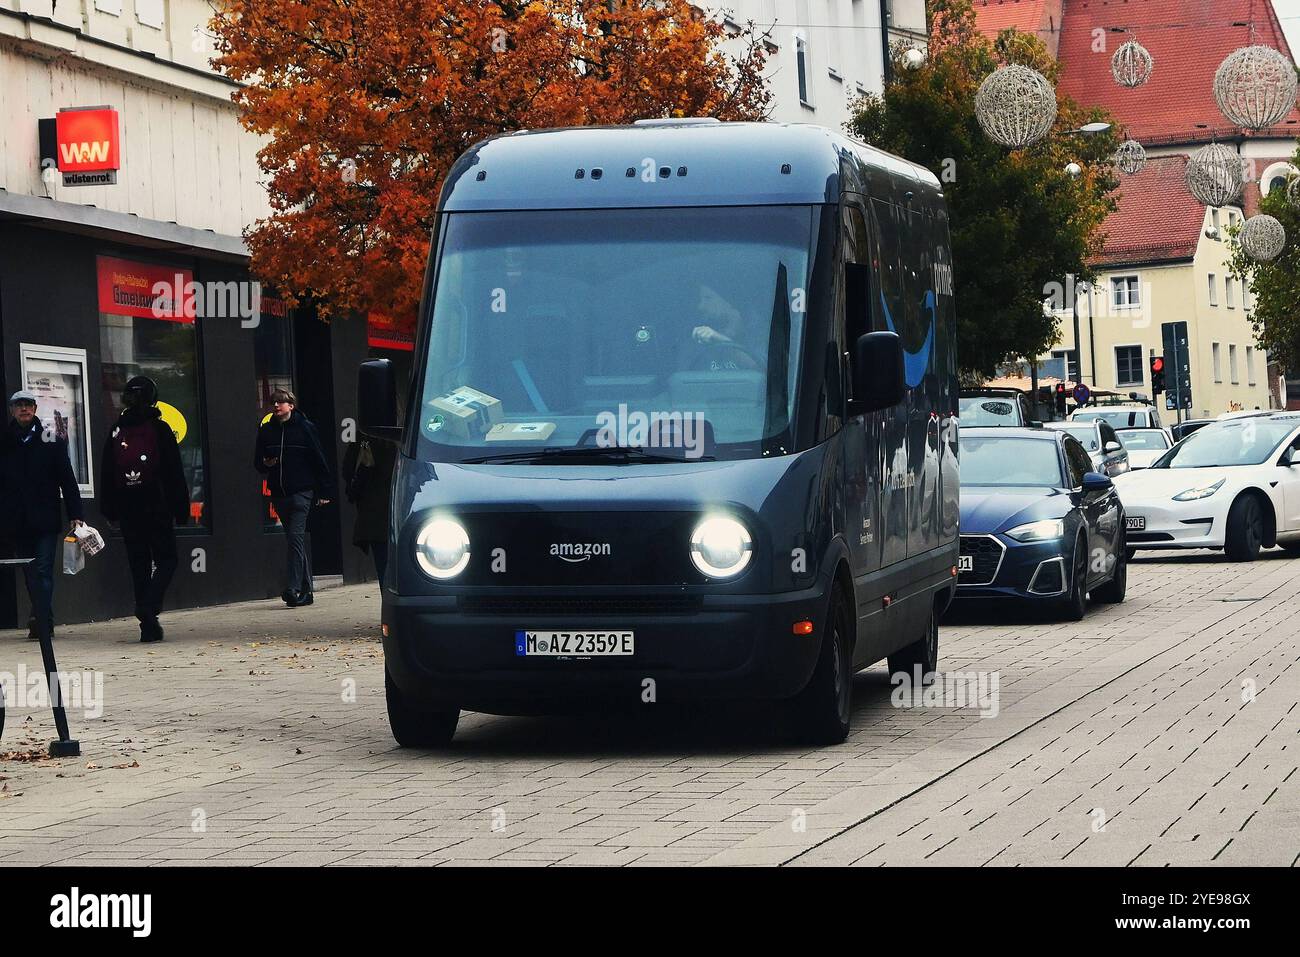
(1037,522)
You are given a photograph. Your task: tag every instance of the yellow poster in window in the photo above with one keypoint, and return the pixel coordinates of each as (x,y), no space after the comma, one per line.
(172,416)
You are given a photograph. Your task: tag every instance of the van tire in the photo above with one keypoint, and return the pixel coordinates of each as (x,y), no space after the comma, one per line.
(415,727)
(820,714)
(1245,530)
(923,652)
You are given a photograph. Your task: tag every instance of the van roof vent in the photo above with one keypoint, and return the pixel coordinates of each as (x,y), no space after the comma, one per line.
(678,121)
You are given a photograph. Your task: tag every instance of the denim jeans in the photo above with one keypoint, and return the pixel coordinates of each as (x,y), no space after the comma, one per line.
(293,511)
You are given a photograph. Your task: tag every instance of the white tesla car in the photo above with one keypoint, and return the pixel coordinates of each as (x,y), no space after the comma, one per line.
(1234,485)
(1144,446)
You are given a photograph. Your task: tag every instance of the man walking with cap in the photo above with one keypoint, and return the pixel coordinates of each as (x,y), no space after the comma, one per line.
(290,455)
(142,487)
(35,472)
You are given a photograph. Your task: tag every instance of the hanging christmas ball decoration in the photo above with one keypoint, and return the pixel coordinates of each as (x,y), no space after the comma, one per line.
(913,59)
(1132,64)
(1262,238)
(1255,87)
(1073,170)
(1015,106)
(1130,157)
(1214,175)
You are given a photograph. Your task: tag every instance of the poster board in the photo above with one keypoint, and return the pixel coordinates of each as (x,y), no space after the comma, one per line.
(57,376)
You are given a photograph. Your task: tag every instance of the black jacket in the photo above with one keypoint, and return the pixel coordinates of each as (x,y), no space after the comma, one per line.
(33,474)
(301,465)
(170,494)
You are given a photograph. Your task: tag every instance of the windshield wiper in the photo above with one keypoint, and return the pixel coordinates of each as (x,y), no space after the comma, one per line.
(630,453)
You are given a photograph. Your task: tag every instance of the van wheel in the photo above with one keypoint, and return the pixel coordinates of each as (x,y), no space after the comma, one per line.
(415,727)
(820,713)
(1112,593)
(1291,548)
(1245,530)
(923,652)
(1075,605)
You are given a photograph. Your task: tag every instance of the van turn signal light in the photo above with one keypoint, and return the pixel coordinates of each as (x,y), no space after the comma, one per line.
(804,627)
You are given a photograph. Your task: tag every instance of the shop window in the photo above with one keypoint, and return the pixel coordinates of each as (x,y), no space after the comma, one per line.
(273,369)
(147,327)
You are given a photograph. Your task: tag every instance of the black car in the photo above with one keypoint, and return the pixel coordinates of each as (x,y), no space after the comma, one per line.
(1036,522)
(1182,430)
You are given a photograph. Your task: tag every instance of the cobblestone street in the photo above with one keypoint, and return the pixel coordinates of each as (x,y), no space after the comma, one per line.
(1160,731)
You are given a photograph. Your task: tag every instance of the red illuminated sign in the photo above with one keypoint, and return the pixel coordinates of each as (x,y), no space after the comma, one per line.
(144,290)
(88,141)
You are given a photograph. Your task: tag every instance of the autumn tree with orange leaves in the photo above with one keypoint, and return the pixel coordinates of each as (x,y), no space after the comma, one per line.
(365,104)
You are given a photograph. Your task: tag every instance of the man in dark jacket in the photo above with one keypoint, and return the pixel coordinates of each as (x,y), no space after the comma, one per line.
(142,487)
(34,472)
(289,454)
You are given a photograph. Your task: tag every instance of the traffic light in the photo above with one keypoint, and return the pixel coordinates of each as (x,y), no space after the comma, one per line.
(1157,375)
(1060,399)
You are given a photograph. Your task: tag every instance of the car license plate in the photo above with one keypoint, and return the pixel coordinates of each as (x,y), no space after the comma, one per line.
(1135,523)
(573,644)
(965,563)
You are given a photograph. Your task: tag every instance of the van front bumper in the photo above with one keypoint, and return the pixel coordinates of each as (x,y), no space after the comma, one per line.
(461,650)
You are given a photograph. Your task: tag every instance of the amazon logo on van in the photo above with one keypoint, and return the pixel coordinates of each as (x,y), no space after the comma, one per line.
(579,551)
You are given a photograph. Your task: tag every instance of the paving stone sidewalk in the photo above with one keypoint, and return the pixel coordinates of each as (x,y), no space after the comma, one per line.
(257,735)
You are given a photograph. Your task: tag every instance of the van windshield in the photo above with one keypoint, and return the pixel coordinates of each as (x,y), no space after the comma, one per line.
(672,331)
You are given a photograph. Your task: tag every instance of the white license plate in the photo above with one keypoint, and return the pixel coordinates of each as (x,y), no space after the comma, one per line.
(1135,523)
(573,644)
(965,563)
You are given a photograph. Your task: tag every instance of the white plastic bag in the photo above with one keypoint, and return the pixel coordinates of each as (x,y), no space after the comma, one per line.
(91,542)
(74,559)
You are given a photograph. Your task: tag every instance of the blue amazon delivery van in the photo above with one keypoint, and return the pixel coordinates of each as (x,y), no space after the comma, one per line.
(682,425)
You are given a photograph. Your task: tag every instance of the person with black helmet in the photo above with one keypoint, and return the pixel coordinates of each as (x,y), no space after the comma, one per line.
(35,473)
(142,487)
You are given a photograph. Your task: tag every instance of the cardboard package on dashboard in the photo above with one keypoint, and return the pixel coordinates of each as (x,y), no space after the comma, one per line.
(463,412)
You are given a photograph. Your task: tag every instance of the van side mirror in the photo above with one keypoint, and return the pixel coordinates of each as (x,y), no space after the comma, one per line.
(377,400)
(1114,447)
(879,381)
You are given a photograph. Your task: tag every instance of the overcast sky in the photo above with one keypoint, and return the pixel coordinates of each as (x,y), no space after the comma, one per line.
(1288,11)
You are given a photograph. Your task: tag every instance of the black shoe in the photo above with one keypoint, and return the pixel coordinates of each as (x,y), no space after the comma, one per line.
(150,630)
(289,597)
(31,631)
(306,599)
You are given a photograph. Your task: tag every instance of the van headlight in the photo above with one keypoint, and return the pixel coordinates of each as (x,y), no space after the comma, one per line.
(442,548)
(1193,494)
(1044,531)
(721,547)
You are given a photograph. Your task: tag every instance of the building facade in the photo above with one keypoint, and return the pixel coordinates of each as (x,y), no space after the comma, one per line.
(825,54)
(1164,259)
(103,281)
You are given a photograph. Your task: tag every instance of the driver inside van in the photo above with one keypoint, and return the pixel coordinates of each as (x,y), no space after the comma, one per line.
(723,327)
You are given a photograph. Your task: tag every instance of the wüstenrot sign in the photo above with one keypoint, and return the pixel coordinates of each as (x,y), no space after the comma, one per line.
(88,143)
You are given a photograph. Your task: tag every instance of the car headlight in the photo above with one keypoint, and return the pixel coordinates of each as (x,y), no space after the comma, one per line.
(1192,494)
(442,548)
(1044,531)
(721,547)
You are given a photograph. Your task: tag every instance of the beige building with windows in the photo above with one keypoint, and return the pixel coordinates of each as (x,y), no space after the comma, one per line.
(1166,260)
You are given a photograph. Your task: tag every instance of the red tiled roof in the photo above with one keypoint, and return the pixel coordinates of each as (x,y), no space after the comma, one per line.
(1158,219)
(1041,17)
(1187,38)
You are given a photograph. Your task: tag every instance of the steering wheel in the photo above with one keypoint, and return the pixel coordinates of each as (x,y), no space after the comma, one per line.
(718,356)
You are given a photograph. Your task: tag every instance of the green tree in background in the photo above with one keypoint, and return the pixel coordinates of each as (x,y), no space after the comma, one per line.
(1274,285)
(1020,223)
